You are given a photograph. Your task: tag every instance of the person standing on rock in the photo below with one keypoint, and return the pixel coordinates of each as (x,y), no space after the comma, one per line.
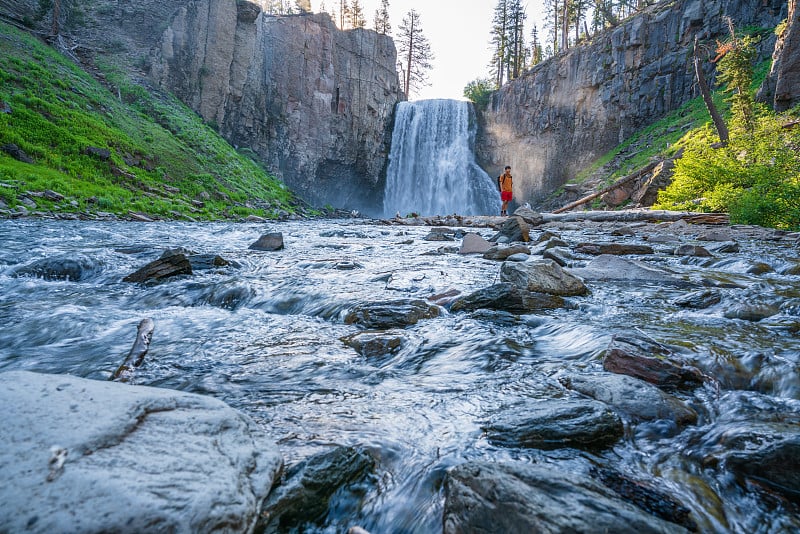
(506,184)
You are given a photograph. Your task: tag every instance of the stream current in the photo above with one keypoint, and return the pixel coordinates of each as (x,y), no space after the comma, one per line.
(266,339)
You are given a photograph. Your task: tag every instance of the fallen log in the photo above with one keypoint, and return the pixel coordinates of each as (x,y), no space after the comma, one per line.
(638,216)
(615,185)
(135,358)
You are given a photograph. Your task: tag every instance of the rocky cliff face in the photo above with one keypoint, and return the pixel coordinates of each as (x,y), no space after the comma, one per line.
(786,69)
(313,102)
(562,115)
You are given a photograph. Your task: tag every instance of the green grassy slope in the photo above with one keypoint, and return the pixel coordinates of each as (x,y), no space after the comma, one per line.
(115,148)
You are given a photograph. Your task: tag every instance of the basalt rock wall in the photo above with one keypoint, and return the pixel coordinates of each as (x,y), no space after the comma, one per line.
(559,117)
(314,103)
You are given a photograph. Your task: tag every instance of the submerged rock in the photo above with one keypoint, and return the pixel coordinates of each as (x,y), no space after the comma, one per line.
(71,268)
(305,490)
(614,249)
(91,456)
(374,344)
(608,268)
(555,424)
(391,314)
(699,299)
(523,497)
(632,397)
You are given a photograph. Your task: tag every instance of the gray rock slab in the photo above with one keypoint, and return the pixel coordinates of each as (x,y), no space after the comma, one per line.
(92,456)
(542,276)
(474,244)
(607,268)
(483,497)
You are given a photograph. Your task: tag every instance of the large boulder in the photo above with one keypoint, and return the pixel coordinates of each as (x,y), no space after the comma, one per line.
(650,361)
(70,268)
(161,269)
(608,268)
(483,497)
(91,456)
(391,314)
(542,276)
(509,298)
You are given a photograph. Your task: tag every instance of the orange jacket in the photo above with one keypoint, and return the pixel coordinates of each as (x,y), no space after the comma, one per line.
(506,182)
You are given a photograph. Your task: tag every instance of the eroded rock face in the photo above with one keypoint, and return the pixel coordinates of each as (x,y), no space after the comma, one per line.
(315,103)
(557,118)
(91,456)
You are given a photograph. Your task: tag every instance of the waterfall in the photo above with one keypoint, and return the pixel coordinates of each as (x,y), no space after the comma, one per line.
(432,168)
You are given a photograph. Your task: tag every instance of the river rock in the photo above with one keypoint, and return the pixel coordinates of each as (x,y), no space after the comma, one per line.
(555,424)
(691,250)
(728,247)
(614,249)
(632,397)
(502,252)
(513,229)
(161,269)
(474,244)
(71,268)
(699,300)
(509,298)
(269,242)
(374,344)
(608,268)
(92,456)
(542,276)
(483,497)
(650,361)
(305,490)
(531,217)
(752,311)
(391,314)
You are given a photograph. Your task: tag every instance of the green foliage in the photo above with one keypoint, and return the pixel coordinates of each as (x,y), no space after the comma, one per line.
(479,91)
(163,159)
(755,178)
(736,71)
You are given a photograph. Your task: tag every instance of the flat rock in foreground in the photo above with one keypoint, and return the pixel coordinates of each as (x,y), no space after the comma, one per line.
(91,456)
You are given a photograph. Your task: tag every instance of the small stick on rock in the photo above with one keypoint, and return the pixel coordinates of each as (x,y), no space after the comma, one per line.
(135,358)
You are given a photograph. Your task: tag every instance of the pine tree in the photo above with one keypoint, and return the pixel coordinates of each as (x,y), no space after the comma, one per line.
(382,24)
(303,6)
(518,52)
(499,40)
(536,54)
(357,19)
(414,52)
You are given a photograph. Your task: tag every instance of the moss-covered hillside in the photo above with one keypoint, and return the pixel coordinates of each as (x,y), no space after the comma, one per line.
(72,145)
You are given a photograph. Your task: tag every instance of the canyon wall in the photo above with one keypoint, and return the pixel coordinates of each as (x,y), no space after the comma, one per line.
(314,103)
(559,117)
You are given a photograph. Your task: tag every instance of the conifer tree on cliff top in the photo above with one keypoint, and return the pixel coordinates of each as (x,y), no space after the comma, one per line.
(414,53)
(382,24)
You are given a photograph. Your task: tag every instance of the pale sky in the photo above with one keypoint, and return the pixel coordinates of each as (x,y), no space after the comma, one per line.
(458,31)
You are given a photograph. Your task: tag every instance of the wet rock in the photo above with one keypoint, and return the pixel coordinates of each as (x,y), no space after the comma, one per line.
(699,300)
(531,217)
(542,276)
(161,269)
(228,295)
(524,497)
(374,344)
(760,268)
(391,314)
(445,298)
(98,456)
(614,249)
(556,424)
(513,229)
(613,269)
(205,262)
(728,247)
(439,236)
(269,242)
(71,268)
(792,270)
(305,490)
(650,361)
(518,257)
(408,282)
(632,397)
(647,496)
(502,252)
(716,235)
(474,244)
(623,231)
(775,465)
(509,298)
(752,311)
(560,255)
(691,250)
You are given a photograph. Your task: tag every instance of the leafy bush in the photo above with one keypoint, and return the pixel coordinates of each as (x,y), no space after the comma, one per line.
(480,91)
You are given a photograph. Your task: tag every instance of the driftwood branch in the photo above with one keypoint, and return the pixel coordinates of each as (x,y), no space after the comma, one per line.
(638,216)
(615,185)
(144,335)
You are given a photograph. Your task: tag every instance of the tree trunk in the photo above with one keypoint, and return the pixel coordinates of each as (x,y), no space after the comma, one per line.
(719,123)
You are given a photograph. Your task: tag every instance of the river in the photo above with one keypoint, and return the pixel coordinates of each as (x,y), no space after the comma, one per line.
(266,339)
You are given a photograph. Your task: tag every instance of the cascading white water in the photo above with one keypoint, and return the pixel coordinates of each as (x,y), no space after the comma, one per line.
(432,168)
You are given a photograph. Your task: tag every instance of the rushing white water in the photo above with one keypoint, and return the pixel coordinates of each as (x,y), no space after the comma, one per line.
(432,168)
